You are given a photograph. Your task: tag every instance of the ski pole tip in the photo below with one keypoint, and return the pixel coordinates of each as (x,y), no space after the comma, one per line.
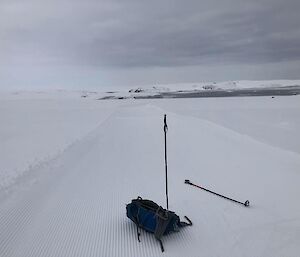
(247,203)
(187,181)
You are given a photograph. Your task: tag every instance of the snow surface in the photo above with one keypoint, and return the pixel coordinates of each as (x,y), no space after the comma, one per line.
(35,130)
(69,166)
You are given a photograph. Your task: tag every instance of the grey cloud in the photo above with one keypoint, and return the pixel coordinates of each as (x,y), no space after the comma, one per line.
(152,33)
(138,33)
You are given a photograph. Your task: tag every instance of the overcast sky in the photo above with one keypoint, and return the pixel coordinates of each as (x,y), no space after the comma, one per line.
(106,43)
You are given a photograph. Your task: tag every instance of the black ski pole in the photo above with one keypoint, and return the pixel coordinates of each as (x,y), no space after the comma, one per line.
(166,165)
(247,203)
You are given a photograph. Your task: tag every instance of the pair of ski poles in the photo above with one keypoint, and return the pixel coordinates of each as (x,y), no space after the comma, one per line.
(246,203)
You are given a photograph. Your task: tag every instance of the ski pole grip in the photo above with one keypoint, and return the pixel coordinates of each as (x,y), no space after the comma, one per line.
(165,124)
(187,181)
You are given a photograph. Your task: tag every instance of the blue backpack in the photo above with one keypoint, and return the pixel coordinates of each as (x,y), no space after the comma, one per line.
(151,217)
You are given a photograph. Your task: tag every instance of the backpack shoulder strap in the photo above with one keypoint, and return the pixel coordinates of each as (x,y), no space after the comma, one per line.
(183,223)
(162,221)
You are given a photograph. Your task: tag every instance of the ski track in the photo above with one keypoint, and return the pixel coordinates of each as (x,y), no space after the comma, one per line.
(77,206)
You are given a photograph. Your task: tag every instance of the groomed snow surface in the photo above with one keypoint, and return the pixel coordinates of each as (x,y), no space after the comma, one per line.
(69,166)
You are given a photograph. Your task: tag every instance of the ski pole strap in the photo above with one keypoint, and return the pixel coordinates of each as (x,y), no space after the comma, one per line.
(165,124)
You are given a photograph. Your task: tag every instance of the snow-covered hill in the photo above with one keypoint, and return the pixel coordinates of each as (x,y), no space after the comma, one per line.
(239,84)
(151,90)
(203,86)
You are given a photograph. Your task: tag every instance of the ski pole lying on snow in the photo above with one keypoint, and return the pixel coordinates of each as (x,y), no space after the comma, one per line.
(247,203)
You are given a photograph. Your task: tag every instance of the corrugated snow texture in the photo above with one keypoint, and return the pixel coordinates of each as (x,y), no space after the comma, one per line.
(75,204)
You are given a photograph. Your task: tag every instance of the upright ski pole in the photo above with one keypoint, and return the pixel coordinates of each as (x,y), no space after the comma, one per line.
(247,203)
(166,165)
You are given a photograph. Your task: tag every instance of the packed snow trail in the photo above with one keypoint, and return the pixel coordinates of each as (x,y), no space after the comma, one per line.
(34,131)
(76,206)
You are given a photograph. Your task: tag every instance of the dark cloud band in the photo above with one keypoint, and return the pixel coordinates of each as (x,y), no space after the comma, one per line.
(136,33)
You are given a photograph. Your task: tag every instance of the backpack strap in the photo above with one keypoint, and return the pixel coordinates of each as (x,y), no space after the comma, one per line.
(162,221)
(183,223)
(138,233)
(138,226)
(161,245)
